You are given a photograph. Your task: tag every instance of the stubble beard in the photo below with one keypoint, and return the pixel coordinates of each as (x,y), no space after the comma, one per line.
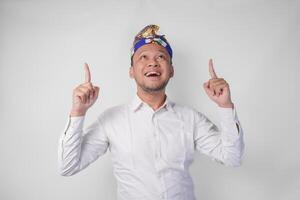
(154,89)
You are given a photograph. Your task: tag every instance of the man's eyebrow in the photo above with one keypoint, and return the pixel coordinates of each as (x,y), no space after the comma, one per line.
(162,51)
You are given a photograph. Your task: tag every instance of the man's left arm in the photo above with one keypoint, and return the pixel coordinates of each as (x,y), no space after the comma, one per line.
(225,145)
(218,90)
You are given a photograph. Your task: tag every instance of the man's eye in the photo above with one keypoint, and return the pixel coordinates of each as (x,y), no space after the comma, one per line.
(143,56)
(161,56)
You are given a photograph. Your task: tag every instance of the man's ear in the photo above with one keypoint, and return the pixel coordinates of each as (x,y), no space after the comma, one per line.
(131,71)
(172,71)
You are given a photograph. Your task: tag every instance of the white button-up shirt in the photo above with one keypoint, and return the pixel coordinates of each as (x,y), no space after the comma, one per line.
(151,150)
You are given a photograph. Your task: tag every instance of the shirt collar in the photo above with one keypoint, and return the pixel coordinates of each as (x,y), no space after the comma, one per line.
(137,103)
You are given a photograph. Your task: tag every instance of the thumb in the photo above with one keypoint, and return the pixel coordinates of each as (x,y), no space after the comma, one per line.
(205,86)
(96,92)
(77,100)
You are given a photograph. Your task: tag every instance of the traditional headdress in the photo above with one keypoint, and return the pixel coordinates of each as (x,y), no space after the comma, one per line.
(148,35)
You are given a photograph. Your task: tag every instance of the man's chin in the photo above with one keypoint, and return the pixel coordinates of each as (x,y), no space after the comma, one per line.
(153,89)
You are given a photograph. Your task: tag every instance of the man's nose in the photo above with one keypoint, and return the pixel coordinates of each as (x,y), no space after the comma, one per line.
(153,63)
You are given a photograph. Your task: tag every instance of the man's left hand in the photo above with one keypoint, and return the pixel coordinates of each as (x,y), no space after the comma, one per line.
(217,89)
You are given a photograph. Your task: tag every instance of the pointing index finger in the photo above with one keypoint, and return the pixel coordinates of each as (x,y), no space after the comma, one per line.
(211,69)
(87,73)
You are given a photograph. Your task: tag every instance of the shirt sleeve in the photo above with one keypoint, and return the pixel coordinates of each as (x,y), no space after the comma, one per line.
(226,145)
(78,148)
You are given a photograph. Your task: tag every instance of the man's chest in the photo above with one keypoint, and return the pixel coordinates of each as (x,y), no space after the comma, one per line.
(143,140)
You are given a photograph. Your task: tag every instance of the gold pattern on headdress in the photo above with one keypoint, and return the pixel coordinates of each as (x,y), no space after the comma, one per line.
(148,31)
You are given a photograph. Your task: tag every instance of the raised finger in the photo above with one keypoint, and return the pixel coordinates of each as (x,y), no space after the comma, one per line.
(211,69)
(87,73)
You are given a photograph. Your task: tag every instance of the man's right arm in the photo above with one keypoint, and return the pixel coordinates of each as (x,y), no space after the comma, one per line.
(78,148)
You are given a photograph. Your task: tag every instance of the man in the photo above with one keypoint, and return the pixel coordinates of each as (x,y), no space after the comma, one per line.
(152,140)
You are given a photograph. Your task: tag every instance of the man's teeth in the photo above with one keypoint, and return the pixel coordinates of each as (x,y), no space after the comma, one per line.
(152,73)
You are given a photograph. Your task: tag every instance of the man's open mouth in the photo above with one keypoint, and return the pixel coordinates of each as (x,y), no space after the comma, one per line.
(152,74)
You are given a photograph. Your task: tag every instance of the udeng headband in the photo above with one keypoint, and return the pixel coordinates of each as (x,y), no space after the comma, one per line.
(158,40)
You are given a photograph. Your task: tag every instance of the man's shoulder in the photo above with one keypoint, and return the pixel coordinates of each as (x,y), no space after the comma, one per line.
(113,112)
(185,108)
(188,111)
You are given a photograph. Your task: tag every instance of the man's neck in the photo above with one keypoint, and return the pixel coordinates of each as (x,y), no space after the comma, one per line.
(154,99)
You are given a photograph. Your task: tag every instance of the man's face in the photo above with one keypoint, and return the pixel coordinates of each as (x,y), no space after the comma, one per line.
(151,68)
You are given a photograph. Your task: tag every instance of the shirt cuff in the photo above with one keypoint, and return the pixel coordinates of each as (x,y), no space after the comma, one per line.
(74,123)
(228,113)
(229,116)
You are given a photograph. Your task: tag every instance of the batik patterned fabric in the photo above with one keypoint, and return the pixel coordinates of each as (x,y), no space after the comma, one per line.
(148,35)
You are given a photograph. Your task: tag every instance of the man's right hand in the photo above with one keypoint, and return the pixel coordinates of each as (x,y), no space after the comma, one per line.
(84,95)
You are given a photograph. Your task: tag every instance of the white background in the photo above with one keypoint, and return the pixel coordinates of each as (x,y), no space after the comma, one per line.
(43,45)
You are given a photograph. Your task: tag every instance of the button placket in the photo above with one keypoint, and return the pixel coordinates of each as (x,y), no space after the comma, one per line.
(158,154)
(156,137)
